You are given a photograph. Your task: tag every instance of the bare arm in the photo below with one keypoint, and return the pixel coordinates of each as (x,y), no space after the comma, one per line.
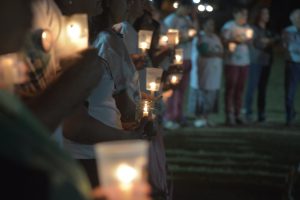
(69,90)
(82,128)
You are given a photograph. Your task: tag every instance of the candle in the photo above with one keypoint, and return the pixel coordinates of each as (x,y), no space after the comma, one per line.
(73,36)
(174,79)
(121,167)
(192,32)
(153,78)
(146,109)
(145,39)
(178,57)
(173,37)
(232,46)
(249,33)
(163,40)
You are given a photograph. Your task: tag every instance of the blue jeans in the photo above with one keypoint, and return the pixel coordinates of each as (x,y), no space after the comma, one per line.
(292,77)
(257,80)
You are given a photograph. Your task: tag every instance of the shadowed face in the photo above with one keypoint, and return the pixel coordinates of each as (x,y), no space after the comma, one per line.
(264,15)
(241,17)
(296,19)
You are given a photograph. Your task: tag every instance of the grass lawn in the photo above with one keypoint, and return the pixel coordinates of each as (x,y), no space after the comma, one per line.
(243,162)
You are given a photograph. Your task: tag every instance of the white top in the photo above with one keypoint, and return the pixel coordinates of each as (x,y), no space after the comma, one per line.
(210,68)
(183,24)
(241,55)
(194,72)
(120,75)
(291,39)
(130,38)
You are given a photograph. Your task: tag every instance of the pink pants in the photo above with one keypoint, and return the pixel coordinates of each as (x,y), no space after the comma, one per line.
(175,103)
(235,80)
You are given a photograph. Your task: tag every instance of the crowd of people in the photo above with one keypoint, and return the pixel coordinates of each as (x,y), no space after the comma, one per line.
(55,106)
(243,49)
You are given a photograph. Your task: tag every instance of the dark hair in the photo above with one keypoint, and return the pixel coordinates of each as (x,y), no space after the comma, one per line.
(238,9)
(100,22)
(186,3)
(256,14)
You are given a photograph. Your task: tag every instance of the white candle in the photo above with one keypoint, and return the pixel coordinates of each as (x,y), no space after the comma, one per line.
(174,79)
(152,86)
(146,109)
(249,33)
(178,57)
(145,39)
(126,174)
(73,36)
(192,32)
(163,40)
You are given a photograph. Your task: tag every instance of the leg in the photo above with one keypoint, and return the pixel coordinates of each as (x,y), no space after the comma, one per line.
(253,78)
(292,71)
(231,73)
(239,90)
(262,92)
(192,102)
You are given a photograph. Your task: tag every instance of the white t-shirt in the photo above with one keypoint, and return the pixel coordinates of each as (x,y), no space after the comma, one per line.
(130,38)
(183,24)
(291,39)
(241,55)
(120,75)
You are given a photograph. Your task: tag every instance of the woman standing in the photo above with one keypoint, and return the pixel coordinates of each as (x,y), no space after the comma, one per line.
(261,61)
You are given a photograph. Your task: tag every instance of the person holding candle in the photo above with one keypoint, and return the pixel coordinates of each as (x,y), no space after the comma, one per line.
(181,21)
(261,61)
(208,69)
(291,42)
(236,36)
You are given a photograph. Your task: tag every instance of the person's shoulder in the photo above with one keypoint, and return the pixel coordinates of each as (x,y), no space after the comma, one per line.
(229,24)
(171,17)
(290,29)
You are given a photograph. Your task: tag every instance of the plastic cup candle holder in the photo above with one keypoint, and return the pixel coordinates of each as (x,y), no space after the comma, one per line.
(121,166)
(13,70)
(173,37)
(144,110)
(153,79)
(178,57)
(145,38)
(73,36)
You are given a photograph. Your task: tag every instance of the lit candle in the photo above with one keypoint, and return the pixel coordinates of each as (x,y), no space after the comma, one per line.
(232,46)
(146,109)
(153,78)
(145,39)
(249,33)
(74,35)
(174,79)
(163,40)
(173,37)
(121,167)
(192,32)
(178,56)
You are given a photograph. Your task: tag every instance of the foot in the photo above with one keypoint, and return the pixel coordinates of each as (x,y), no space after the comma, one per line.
(230,120)
(239,120)
(199,123)
(170,125)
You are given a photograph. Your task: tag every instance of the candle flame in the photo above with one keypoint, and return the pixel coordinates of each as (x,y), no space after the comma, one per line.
(126,174)
(152,86)
(174,79)
(74,30)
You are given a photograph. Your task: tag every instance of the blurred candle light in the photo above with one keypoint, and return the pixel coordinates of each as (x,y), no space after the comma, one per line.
(145,39)
(146,109)
(232,46)
(121,167)
(173,37)
(249,33)
(73,36)
(163,40)
(153,78)
(178,58)
(192,32)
